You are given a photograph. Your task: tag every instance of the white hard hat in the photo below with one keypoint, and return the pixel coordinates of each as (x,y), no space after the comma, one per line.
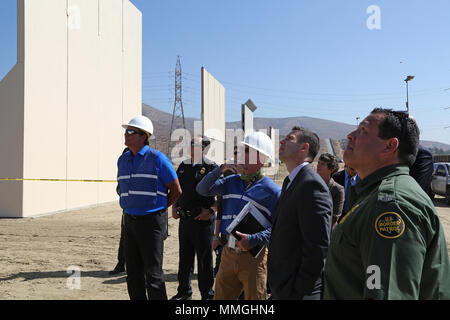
(140,122)
(260,142)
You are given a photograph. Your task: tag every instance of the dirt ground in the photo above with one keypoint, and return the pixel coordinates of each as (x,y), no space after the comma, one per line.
(35,254)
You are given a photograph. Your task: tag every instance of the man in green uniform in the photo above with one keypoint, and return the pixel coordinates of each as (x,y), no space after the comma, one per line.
(390,244)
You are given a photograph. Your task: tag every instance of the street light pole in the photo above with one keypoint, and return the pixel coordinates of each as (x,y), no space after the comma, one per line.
(408,78)
(407,106)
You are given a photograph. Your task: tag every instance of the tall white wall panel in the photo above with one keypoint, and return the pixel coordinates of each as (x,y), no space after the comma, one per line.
(213,115)
(79,81)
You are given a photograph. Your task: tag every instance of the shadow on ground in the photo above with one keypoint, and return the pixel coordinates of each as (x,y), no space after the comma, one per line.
(109,279)
(27,276)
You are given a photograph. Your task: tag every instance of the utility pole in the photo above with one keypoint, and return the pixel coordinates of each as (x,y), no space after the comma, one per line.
(178,112)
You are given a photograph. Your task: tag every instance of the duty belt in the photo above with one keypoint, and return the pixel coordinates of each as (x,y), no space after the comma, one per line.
(189,213)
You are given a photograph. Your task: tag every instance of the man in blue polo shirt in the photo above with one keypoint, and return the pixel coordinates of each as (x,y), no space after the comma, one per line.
(148,185)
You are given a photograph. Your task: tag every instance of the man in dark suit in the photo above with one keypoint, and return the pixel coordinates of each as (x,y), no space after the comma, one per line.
(422,169)
(302,222)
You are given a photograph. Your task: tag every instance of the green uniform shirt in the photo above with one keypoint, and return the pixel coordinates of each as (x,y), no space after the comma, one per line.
(390,245)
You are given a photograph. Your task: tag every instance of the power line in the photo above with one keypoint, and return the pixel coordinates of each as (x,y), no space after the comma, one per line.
(186,76)
(299,94)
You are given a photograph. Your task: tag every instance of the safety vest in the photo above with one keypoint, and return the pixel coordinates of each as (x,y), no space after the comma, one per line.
(263,194)
(138,184)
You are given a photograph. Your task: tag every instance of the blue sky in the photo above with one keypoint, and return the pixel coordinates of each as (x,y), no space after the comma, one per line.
(293,57)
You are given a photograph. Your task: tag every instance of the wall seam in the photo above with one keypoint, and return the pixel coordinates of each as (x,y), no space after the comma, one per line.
(22,40)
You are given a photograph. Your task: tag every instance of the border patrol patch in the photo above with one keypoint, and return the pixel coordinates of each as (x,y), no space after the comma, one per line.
(389,225)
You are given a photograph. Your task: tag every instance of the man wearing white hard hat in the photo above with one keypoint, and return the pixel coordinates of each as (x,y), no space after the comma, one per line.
(239,270)
(148,185)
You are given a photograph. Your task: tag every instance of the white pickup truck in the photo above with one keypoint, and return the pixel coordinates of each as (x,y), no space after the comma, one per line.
(440,183)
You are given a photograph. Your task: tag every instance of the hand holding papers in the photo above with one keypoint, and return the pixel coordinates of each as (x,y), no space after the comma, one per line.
(243,242)
(249,221)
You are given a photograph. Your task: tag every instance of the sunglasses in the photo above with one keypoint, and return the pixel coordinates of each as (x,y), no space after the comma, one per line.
(132,131)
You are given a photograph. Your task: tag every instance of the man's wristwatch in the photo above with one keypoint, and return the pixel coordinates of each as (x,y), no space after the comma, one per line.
(216,237)
(211,211)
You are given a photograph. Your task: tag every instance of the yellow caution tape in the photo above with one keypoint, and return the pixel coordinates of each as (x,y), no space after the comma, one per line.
(58,180)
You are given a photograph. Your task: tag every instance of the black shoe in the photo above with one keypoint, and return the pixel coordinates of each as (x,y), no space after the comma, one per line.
(181,296)
(118,269)
(208,297)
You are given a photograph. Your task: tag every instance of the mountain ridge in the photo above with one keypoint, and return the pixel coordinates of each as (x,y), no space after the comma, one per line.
(333,130)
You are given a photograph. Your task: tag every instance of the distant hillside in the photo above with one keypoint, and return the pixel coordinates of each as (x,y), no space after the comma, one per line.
(436,145)
(337,131)
(161,122)
(324,128)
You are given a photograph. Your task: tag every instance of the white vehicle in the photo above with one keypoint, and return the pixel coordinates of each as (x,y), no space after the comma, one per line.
(440,184)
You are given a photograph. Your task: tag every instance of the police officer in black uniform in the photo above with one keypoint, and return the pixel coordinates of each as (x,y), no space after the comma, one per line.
(196,224)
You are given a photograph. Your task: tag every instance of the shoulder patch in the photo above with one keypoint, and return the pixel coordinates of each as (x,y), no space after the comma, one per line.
(389,225)
(384,197)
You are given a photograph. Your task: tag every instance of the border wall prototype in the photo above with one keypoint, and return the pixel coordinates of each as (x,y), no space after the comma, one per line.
(77,79)
(213,116)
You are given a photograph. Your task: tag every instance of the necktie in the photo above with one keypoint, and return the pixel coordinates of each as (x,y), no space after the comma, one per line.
(347,194)
(285,184)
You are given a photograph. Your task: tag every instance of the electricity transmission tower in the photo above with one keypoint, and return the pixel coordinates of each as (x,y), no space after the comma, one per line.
(178,112)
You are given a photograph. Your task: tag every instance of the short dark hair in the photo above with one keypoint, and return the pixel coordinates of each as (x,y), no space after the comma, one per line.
(204,140)
(311,138)
(331,161)
(398,124)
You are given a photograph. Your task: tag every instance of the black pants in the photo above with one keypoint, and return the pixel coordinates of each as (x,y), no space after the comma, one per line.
(144,246)
(195,237)
(121,253)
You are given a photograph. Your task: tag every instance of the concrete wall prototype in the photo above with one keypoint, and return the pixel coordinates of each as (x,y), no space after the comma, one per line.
(213,116)
(248,109)
(77,79)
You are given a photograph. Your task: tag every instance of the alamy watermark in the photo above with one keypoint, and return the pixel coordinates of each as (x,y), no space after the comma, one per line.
(232,149)
(374,278)
(74,280)
(373,22)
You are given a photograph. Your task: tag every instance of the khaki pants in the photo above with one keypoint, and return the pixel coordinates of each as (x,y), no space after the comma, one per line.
(241,271)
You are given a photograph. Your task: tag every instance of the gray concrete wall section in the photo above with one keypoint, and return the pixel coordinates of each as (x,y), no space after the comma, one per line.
(329,146)
(248,109)
(78,78)
(11,142)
